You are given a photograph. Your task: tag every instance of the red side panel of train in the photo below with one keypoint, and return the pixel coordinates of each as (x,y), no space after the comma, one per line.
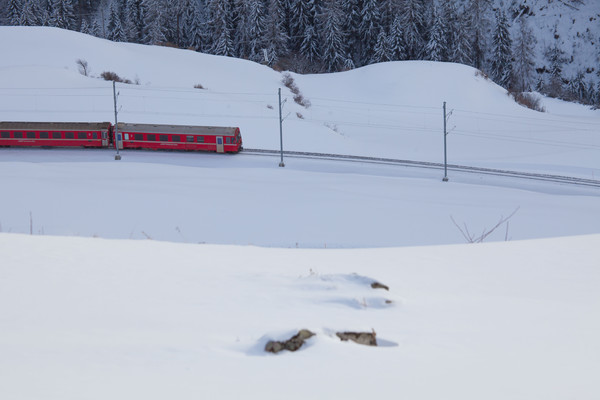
(54,134)
(178,137)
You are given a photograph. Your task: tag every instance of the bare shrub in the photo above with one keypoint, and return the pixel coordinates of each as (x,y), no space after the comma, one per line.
(112,76)
(288,81)
(528,100)
(83,67)
(299,99)
(198,86)
(474,238)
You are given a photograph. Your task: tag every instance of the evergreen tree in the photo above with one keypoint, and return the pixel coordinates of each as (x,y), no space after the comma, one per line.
(501,65)
(396,40)
(412,23)
(578,89)
(137,12)
(188,26)
(435,50)
(115,29)
(85,27)
(276,36)
(200,38)
(256,27)
(63,15)
(309,48)
(351,14)
(368,29)
(382,51)
(478,25)
(333,39)
(28,16)
(221,23)
(156,27)
(556,59)
(95,29)
(15,10)
(301,16)
(524,54)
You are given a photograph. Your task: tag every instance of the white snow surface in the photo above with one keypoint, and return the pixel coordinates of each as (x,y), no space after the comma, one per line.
(88,313)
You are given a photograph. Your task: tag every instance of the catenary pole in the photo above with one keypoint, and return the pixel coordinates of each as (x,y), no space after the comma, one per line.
(445,153)
(281,163)
(117,156)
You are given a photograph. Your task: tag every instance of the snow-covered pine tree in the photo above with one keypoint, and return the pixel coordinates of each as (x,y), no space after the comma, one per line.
(85,27)
(95,29)
(187,23)
(382,51)
(115,29)
(29,14)
(276,37)
(351,14)
(412,24)
(556,59)
(221,23)
(435,50)
(255,29)
(63,14)
(137,17)
(200,34)
(368,29)
(524,55)
(478,25)
(501,69)
(333,43)
(14,12)
(396,40)
(301,16)
(578,88)
(309,48)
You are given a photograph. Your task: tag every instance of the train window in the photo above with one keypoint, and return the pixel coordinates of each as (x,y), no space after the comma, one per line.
(56,135)
(94,135)
(138,136)
(69,135)
(44,135)
(4,135)
(18,135)
(175,138)
(151,137)
(200,139)
(82,135)
(189,138)
(30,135)
(163,138)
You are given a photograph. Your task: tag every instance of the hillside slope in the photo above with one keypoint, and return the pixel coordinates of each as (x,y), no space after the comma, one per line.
(390,109)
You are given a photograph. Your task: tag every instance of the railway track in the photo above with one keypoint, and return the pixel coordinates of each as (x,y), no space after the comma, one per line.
(431,165)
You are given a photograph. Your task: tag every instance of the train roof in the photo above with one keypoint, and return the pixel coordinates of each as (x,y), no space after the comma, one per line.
(178,129)
(63,126)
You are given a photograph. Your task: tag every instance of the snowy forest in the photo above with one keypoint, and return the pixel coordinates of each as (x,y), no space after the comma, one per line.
(313,36)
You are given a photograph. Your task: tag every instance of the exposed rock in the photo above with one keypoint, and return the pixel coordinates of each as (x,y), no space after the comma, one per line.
(292,344)
(377,285)
(366,338)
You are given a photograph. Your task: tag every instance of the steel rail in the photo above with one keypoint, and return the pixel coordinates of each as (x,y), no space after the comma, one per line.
(430,165)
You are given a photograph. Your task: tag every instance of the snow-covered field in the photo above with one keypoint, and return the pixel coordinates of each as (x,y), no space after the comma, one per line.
(85,316)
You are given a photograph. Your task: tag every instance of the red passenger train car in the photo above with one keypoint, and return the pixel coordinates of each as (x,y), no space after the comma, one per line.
(130,136)
(180,137)
(55,134)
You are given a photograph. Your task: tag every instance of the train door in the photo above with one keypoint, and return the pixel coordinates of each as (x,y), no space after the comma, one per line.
(104,139)
(220,147)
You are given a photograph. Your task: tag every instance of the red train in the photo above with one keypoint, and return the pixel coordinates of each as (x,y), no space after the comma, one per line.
(130,136)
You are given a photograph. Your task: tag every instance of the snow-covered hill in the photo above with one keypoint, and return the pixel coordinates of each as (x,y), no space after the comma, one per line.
(83,317)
